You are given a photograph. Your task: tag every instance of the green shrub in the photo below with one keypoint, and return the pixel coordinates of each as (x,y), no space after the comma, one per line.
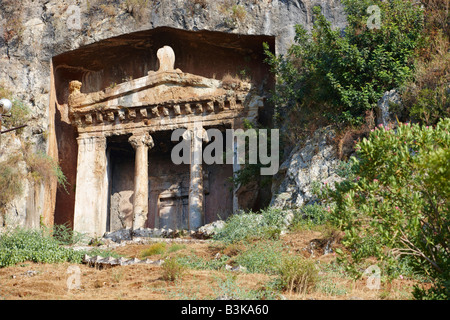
(396,202)
(172,269)
(64,234)
(43,168)
(176,247)
(156,248)
(430,104)
(339,75)
(310,216)
(262,257)
(10,181)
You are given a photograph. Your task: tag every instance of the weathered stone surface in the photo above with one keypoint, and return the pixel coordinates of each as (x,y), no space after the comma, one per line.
(33,32)
(166,58)
(314,162)
(384,112)
(104,262)
(208,230)
(143,233)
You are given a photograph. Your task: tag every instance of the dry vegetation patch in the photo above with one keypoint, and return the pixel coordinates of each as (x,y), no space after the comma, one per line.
(35,281)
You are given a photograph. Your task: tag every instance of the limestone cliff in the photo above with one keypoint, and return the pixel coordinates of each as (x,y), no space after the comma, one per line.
(33,32)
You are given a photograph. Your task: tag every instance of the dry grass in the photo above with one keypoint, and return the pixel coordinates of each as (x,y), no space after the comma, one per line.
(139,9)
(347,138)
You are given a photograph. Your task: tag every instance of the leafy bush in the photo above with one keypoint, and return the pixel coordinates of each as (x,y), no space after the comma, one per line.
(43,168)
(64,234)
(395,203)
(21,245)
(297,274)
(245,226)
(229,288)
(426,98)
(176,247)
(343,74)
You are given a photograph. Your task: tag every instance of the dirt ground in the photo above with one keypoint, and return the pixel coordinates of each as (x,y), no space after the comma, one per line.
(34,281)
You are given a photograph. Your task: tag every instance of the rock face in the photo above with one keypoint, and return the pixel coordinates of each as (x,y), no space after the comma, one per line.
(314,162)
(33,32)
(384,114)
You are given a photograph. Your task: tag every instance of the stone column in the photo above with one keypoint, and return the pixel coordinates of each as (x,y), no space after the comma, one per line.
(91,195)
(196,195)
(141,143)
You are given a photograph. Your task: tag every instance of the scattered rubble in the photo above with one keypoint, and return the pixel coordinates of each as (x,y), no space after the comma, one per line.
(204,232)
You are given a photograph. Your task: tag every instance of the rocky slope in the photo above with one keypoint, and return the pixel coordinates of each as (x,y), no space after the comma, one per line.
(34,31)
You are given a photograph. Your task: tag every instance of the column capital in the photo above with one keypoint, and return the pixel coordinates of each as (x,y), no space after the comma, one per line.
(138,140)
(91,143)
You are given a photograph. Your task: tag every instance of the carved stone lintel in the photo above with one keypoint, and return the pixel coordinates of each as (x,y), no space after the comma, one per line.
(145,139)
(187,108)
